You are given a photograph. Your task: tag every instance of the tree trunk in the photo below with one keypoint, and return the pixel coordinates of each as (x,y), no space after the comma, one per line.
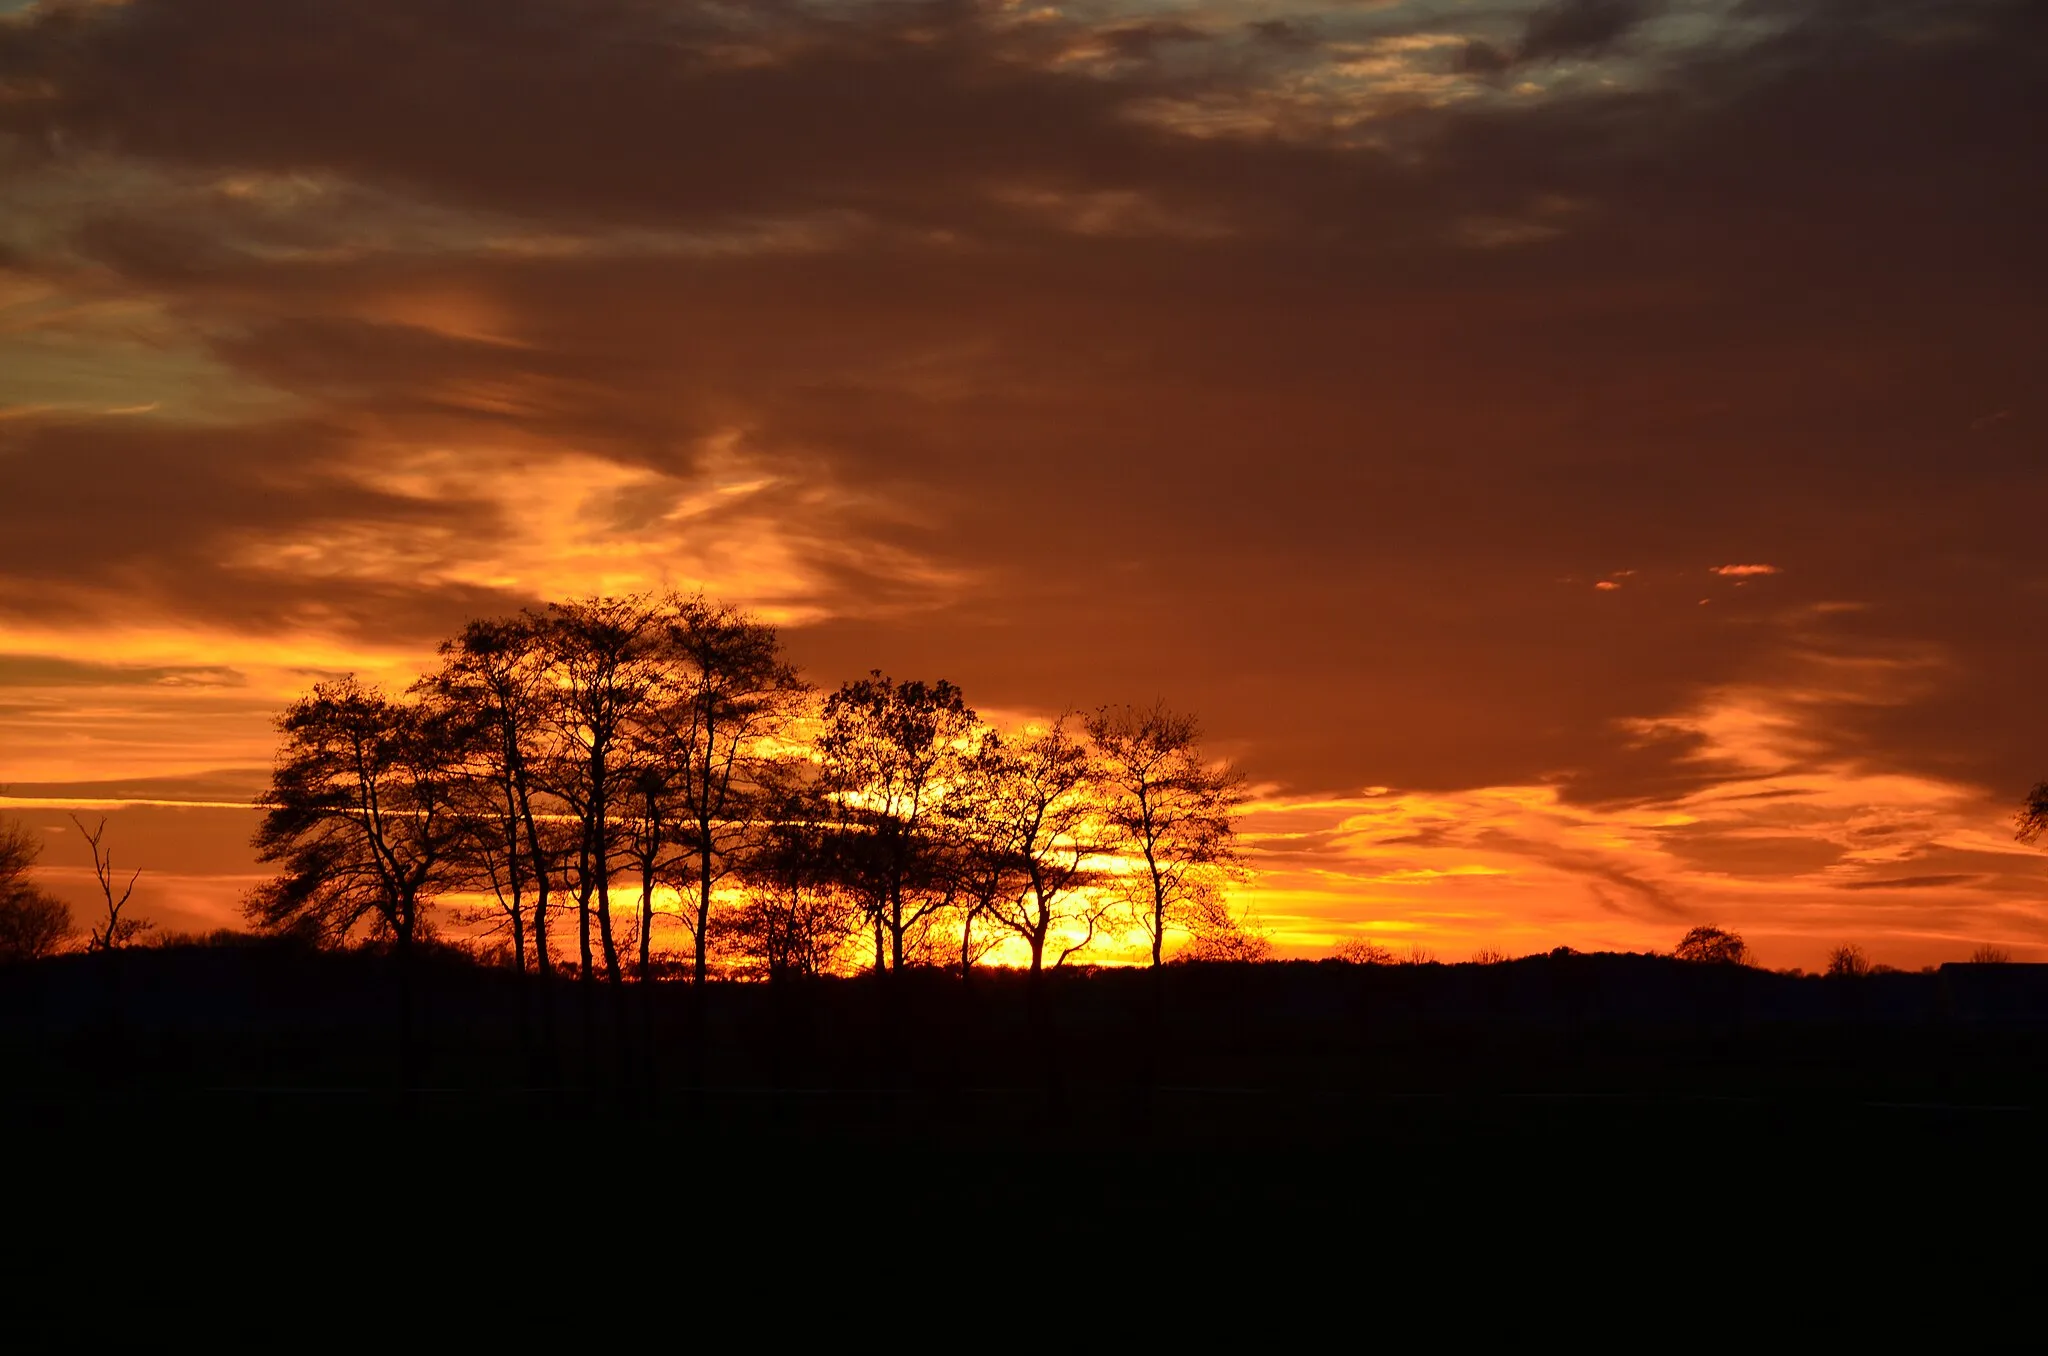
(1158,895)
(583,887)
(543,961)
(703,808)
(896,930)
(518,893)
(604,920)
(543,958)
(647,889)
(703,894)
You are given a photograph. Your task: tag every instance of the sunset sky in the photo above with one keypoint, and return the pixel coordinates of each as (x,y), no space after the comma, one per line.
(1585,460)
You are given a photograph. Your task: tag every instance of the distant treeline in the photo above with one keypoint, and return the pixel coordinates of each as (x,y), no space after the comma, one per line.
(664,748)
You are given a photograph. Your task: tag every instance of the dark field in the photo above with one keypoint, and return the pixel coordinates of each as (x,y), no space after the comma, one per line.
(1434,1068)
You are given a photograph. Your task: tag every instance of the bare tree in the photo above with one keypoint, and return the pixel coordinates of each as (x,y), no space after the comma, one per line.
(361,814)
(889,751)
(495,675)
(1848,962)
(1217,934)
(798,915)
(727,705)
(600,653)
(114,932)
(33,923)
(980,854)
(1991,955)
(2032,820)
(649,845)
(18,852)
(1042,802)
(1168,808)
(1362,951)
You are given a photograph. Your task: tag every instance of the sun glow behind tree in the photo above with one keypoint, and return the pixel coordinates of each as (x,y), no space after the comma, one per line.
(654,764)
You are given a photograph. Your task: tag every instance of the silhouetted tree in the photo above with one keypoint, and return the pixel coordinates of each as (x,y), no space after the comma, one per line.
(18,852)
(495,675)
(1991,955)
(1041,802)
(1848,962)
(727,705)
(648,833)
(979,852)
(361,815)
(2032,820)
(113,932)
(1710,945)
(1362,951)
(1168,808)
(1217,934)
(888,752)
(797,915)
(600,657)
(33,923)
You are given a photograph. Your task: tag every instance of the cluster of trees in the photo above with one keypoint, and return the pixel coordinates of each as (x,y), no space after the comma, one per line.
(1703,945)
(35,923)
(663,748)
(1711,945)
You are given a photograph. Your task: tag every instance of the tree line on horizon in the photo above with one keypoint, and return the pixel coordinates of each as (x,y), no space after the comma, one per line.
(663,748)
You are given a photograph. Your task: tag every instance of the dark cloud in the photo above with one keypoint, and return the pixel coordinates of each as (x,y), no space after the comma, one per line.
(1483,58)
(1327,436)
(222,784)
(1143,40)
(1907,883)
(592,107)
(1615,888)
(1285,33)
(1749,853)
(32,670)
(1580,28)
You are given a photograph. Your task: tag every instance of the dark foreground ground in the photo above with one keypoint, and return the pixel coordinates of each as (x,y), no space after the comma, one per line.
(1235,1064)
(1567,1114)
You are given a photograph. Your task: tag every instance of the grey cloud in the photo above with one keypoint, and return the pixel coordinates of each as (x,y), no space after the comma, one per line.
(1574,28)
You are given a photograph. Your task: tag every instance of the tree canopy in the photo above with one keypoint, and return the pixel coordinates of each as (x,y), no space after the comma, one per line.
(664,746)
(1710,945)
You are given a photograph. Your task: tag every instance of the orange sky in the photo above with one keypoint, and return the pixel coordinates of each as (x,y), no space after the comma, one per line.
(1582,458)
